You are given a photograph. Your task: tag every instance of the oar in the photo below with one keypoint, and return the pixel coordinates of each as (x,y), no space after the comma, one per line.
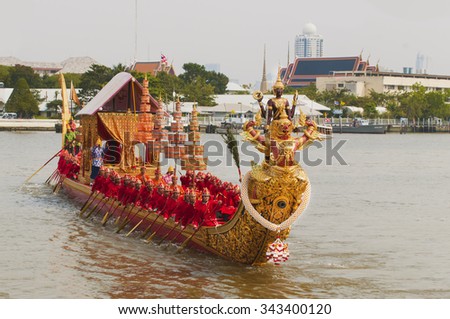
(160,226)
(43,166)
(188,223)
(125,206)
(173,228)
(107,216)
(101,207)
(126,220)
(95,207)
(147,230)
(137,225)
(58,184)
(149,239)
(86,206)
(85,203)
(116,222)
(167,235)
(184,244)
(51,176)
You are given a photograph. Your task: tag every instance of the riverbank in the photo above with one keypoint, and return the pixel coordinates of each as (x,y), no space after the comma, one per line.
(27,125)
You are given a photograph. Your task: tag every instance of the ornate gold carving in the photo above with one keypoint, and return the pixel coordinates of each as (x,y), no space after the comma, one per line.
(247,240)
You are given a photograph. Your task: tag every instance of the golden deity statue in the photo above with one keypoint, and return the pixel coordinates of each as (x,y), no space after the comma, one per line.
(278,144)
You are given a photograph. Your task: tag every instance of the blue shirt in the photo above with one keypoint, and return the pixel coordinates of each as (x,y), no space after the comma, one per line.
(97,156)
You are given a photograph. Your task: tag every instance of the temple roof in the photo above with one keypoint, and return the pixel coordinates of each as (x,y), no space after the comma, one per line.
(152,68)
(109,92)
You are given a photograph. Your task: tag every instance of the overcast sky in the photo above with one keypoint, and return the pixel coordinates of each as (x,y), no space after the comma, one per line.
(231,33)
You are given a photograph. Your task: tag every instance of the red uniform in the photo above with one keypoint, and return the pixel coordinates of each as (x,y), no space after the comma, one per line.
(188,212)
(180,209)
(142,198)
(200,210)
(186,181)
(171,205)
(112,190)
(210,218)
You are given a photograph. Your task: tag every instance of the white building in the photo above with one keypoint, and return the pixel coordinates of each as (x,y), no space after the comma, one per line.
(5,93)
(309,44)
(71,65)
(242,106)
(361,83)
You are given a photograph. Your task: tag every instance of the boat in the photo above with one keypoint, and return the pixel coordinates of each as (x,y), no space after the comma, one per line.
(252,230)
(360,126)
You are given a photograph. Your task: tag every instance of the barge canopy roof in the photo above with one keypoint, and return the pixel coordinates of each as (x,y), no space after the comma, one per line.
(117,96)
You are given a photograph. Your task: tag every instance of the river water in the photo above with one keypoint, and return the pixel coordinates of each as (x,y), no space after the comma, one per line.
(377,227)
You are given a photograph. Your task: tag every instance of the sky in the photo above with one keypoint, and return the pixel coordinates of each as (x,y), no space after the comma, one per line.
(231,33)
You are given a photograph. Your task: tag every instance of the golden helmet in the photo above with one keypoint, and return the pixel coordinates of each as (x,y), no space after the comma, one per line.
(278,84)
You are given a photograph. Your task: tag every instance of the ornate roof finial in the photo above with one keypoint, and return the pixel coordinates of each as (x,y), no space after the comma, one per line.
(278,84)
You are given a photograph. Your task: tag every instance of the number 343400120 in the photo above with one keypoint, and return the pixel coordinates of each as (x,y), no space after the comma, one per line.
(303,309)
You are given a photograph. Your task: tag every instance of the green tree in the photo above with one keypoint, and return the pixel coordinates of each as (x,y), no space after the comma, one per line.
(436,105)
(310,91)
(414,103)
(199,91)
(169,83)
(192,71)
(52,81)
(54,107)
(93,81)
(22,101)
(218,80)
(119,68)
(370,109)
(4,74)
(18,72)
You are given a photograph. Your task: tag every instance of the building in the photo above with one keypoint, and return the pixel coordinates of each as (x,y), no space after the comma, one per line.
(5,93)
(153,67)
(71,65)
(309,44)
(360,83)
(45,96)
(244,106)
(304,71)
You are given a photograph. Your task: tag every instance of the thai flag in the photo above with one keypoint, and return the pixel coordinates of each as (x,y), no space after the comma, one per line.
(163,58)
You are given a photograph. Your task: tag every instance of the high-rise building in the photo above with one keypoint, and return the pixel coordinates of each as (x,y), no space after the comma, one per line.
(309,44)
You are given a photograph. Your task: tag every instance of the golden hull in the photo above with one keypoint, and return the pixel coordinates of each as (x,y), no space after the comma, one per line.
(276,193)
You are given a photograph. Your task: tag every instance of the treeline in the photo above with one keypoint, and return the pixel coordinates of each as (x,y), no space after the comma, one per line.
(198,85)
(194,84)
(413,104)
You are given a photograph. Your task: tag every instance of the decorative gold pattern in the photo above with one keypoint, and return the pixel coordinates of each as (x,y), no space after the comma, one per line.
(247,241)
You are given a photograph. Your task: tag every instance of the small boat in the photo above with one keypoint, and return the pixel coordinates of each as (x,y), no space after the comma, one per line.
(360,126)
(252,228)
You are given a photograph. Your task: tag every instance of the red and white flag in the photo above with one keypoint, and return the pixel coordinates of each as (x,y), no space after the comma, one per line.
(163,58)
